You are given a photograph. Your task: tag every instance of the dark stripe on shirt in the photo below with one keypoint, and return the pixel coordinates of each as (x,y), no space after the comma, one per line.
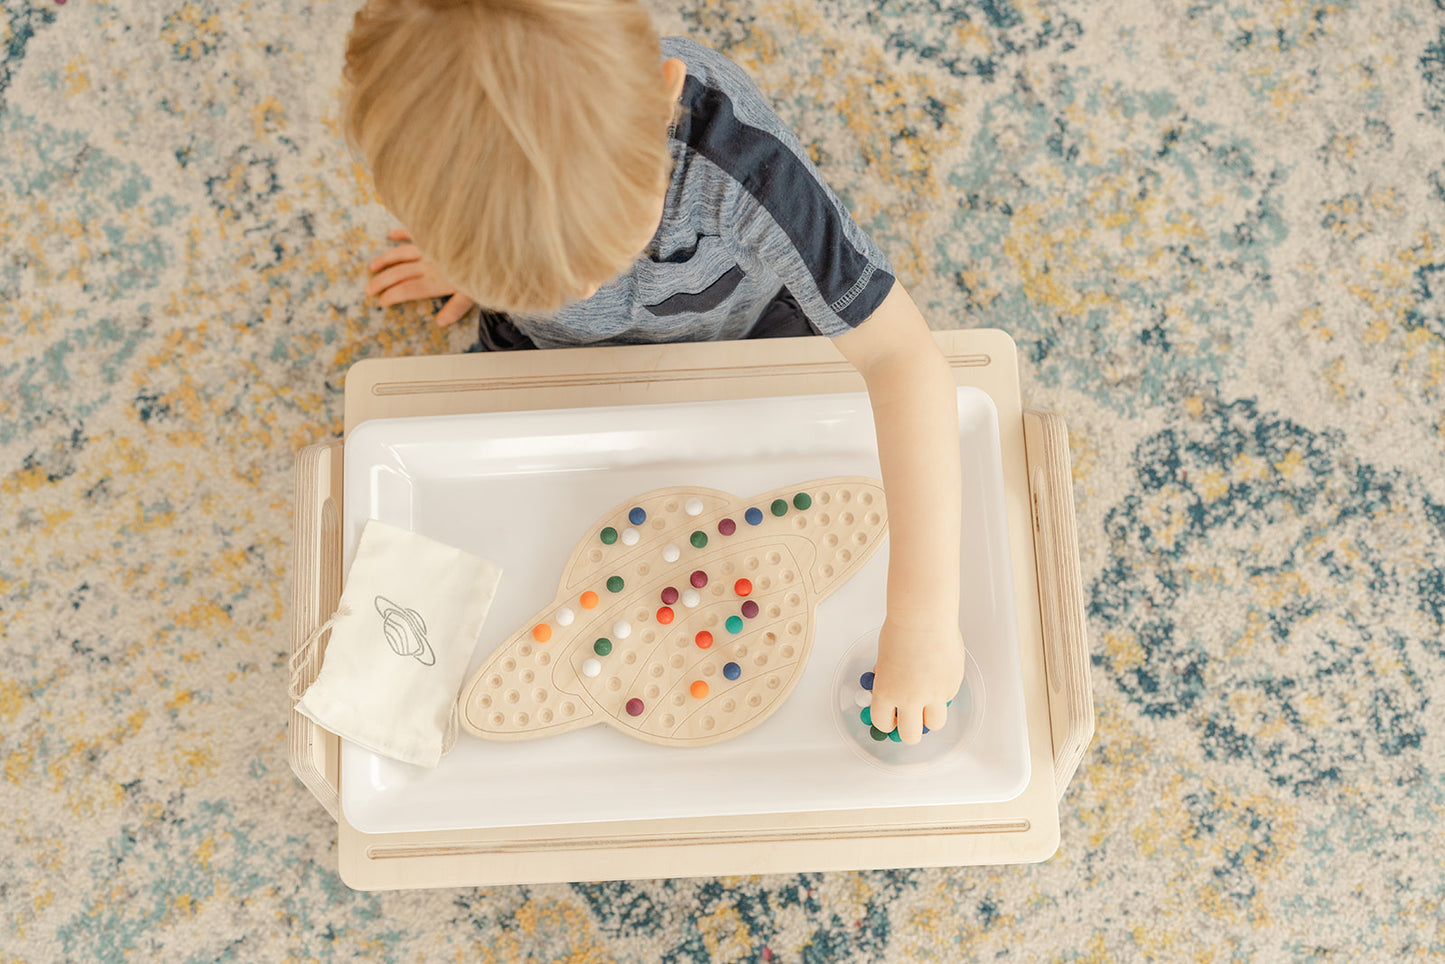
(787,190)
(707,298)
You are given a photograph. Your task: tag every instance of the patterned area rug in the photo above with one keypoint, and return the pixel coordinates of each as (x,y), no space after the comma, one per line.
(1217,233)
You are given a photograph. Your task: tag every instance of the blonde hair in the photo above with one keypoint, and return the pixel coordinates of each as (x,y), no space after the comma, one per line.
(520,141)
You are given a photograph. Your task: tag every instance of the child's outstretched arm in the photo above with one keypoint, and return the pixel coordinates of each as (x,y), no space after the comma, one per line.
(915,412)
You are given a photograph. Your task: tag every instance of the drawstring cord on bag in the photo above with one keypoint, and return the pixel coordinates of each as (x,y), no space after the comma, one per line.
(301,666)
(302,659)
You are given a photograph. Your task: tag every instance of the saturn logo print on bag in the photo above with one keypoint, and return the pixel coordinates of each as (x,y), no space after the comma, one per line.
(405,631)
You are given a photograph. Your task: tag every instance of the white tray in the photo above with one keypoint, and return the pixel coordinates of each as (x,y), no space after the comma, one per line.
(520,489)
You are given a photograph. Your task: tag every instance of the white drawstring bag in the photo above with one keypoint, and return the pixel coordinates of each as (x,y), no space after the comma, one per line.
(401,639)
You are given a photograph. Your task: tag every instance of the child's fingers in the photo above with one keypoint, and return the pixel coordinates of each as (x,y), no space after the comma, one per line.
(454,310)
(398,254)
(399,234)
(405,291)
(883,712)
(382,281)
(910,725)
(935,716)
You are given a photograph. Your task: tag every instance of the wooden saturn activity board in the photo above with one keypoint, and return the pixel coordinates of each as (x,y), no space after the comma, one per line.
(684,617)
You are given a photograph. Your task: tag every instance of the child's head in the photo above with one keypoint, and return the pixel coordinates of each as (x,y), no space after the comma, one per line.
(522,142)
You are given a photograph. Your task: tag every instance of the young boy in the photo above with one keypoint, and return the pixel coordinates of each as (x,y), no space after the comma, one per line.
(557,162)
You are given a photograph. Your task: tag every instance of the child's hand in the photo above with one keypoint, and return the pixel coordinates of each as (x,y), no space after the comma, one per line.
(402,274)
(919,670)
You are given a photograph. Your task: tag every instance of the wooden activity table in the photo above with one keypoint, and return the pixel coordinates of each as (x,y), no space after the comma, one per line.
(1043,549)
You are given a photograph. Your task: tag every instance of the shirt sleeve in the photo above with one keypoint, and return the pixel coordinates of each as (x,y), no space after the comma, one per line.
(777,210)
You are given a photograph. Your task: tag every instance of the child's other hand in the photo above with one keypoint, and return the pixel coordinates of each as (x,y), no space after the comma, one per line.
(919,670)
(402,274)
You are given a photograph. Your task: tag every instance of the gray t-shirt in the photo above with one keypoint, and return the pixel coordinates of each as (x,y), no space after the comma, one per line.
(746,215)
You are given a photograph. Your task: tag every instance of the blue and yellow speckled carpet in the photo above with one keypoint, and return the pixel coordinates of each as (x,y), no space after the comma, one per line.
(1217,232)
